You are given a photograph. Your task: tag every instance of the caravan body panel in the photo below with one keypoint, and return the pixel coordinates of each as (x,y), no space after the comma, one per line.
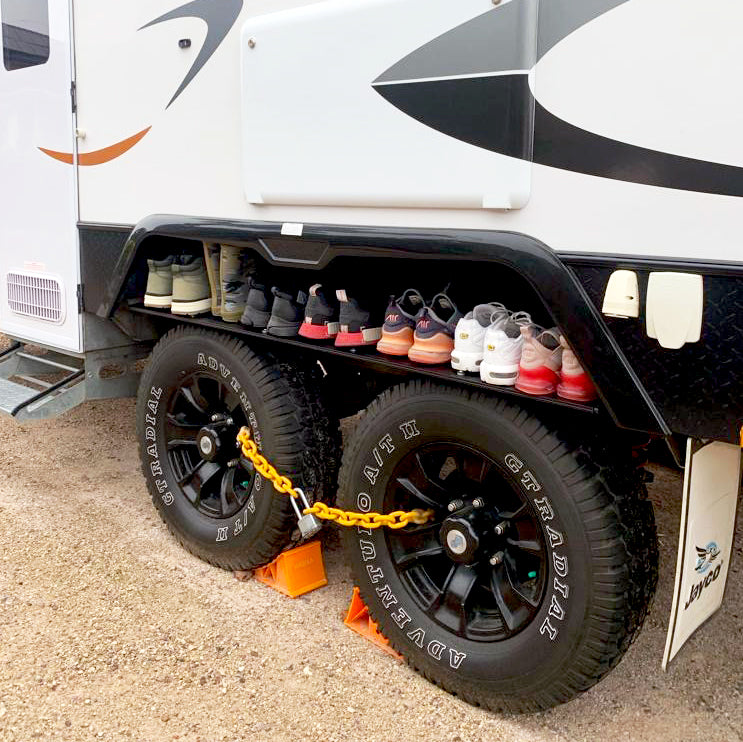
(308,134)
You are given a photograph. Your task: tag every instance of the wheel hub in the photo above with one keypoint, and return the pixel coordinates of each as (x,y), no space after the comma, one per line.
(464,534)
(209,443)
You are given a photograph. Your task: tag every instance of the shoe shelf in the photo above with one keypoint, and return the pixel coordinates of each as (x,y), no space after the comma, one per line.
(367,357)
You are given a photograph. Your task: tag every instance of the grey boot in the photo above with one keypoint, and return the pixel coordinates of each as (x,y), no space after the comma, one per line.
(159,291)
(191,293)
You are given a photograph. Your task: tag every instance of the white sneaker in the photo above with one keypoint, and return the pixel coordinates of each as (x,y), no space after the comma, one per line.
(470,334)
(503,344)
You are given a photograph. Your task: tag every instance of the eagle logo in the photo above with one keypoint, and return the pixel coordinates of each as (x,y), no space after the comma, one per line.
(705,556)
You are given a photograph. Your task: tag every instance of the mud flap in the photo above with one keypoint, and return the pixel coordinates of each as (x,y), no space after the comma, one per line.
(711,484)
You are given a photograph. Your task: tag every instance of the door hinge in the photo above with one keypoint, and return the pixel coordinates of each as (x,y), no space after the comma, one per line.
(73,96)
(80,300)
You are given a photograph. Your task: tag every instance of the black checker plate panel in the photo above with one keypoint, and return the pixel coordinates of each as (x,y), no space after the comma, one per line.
(699,388)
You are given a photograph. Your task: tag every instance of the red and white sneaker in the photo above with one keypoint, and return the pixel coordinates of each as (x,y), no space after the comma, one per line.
(541,360)
(357,328)
(320,315)
(574,382)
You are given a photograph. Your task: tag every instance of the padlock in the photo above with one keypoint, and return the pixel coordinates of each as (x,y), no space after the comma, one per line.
(309,524)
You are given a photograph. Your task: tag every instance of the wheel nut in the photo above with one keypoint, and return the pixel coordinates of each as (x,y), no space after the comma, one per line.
(500,529)
(216,417)
(478,502)
(496,559)
(455,505)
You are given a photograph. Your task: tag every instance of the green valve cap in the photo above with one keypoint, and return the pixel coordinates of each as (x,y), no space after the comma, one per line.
(532,575)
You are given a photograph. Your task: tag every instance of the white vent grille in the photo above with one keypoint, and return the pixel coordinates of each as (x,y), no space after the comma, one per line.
(35,295)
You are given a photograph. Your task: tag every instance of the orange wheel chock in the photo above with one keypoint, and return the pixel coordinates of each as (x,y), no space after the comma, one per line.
(358,620)
(296,571)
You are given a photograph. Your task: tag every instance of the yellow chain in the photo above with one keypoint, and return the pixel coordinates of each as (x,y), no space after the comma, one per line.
(398,519)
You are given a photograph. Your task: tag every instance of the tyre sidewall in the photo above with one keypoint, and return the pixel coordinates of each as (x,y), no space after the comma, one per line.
(218,540)
(537,654)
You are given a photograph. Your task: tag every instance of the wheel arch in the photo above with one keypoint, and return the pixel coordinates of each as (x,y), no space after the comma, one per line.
(552,282)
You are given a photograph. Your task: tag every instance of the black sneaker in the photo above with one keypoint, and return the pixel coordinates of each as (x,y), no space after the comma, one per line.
(399,323)
(356,324)
(433,340)
(286,313)
(257,306)
(320,316)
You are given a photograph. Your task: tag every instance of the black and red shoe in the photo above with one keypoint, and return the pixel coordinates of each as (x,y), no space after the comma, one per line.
(320,316)
(358,326)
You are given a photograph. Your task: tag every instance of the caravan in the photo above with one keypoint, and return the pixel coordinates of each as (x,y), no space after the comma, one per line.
(576,161)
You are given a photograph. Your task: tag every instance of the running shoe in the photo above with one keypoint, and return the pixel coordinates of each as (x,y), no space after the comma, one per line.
(470,336)
(357,327)
(541,360)
(399,323)
(257,305)
(574,382)
(502,348)
(433,339)
(320,315)
(287,313)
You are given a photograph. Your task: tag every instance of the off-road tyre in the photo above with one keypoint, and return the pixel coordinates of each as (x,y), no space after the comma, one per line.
(598,531)
(284,406)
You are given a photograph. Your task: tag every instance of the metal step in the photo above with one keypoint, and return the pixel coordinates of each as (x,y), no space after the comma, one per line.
(25,396)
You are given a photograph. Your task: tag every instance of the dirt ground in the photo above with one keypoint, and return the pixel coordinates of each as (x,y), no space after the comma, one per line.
(109,630)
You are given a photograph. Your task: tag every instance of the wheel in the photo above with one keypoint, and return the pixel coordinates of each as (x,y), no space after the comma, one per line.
(198,389)
(537,567)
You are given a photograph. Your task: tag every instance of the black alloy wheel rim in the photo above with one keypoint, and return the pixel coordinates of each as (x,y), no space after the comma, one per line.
(478,600)
(202,421)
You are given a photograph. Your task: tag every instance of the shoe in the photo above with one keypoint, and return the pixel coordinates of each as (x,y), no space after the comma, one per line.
(191,293)
(541,360)
(159,291)
(356,325)
(574,382)
(399,323)
(257,305)
(433,339)
(502,347)
(234,268)
(211,258)
(470,336)
(320,315)
(286,313)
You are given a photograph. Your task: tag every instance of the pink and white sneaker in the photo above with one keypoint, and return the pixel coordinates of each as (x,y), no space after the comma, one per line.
(541,361)
(574,382)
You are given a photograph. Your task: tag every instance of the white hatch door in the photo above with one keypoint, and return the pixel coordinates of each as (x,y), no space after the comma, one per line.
(39,258)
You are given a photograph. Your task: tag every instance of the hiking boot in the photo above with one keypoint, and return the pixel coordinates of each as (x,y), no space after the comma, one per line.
(286,313)
(211,258)
(399,323)
(159,291)
(574,382)
(541,360)
(469,336)
(433,339)
(257,305)
(502,347)
(320,316)
(191,294)
(234,268)
(357,328)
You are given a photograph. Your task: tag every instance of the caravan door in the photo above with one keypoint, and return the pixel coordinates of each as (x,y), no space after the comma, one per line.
(39,258)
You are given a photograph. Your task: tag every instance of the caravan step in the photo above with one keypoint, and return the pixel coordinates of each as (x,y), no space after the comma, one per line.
(37,386)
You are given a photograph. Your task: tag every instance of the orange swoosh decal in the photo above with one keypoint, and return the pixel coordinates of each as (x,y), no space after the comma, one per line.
(100,155)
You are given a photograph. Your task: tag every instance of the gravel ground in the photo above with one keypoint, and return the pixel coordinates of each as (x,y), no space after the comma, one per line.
(109,630)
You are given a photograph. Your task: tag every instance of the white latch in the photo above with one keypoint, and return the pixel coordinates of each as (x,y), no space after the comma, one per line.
(622,297)
(674,308)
